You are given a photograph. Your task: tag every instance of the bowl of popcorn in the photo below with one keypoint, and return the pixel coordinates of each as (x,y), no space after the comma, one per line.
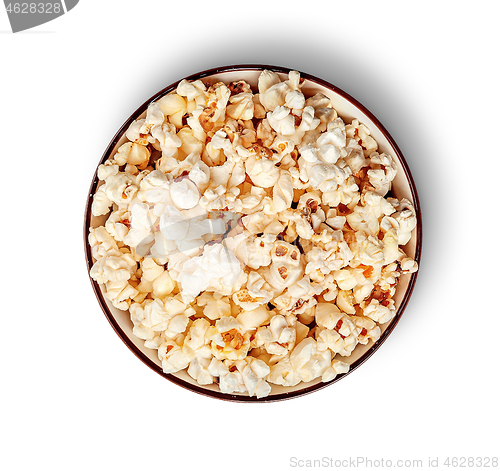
(252,233)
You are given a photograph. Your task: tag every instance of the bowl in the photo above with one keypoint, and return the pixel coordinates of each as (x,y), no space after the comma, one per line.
(348,108)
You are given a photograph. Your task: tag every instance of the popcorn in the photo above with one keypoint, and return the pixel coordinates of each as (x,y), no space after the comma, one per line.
(196,338)
(101,204)
(389,227)
(217,267)
(120,294)
(355,159)
(102,243)
(318,167)
(331,258)
(308,122)
(191,144)
(113,268)
(132,153)
(186,231)
(345,279)
(378,312)
(299,297)
(250,236)
(405,220)
(150,270)
(369,329)
(272,91)
(262,171)
(327,315)
(257,293)
(241,107)
(331,339)
(108,168)
(140,236)
(381,178)
(260,222)
(295,101)
(174,357)
(193,91)
(254,318)
(298,222)
(283,373)
(120,188)
(118,224)
(286,267)
(154,190)
(215,306)
(304,364)
(282,121)
(407,264)
(322,109)
(163,285)
(278,338)
(200,175)
(254,375)
(345,301)
(167,139)
(198,370)
(338,367)
(174,107)
(229,340)
(283,191)
(255,252)
(266,133)
(360,134)
(184,194)
(242,376)
(151,317)
(138,133)
(336,331)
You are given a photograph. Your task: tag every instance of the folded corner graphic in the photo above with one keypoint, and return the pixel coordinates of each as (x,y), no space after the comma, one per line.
(70,4)
(26,15)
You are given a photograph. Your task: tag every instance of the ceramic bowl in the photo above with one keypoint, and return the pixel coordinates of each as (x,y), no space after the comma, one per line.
(348,108)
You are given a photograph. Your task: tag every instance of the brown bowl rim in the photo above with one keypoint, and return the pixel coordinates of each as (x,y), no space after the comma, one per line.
(217,394)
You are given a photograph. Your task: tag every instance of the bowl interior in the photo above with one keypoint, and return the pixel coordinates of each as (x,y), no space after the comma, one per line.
(403,187)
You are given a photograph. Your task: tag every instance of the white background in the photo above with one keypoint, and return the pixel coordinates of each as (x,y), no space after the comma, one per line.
(73,397)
